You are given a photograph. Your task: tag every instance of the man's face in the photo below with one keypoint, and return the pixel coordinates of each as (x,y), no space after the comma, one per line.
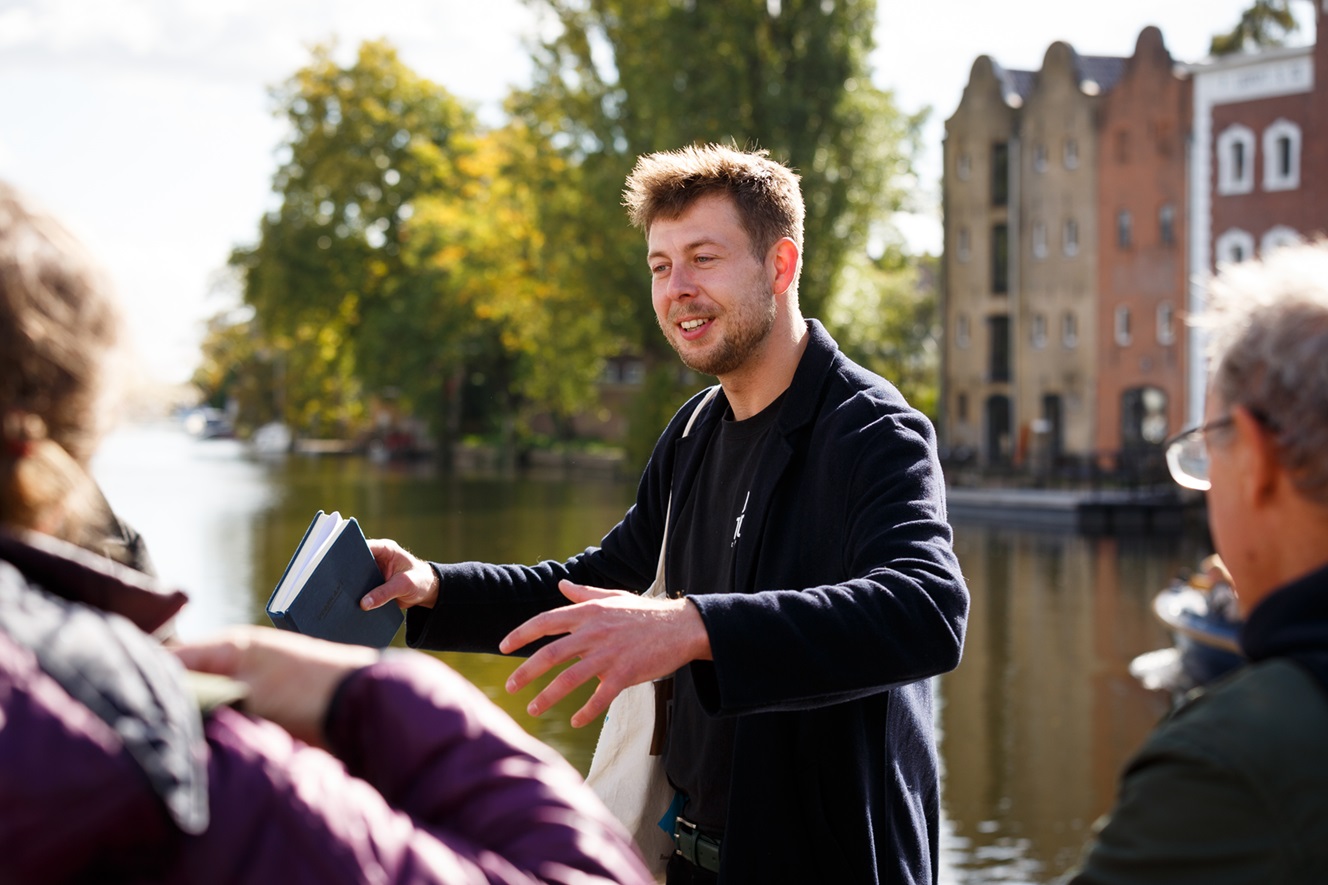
(1226,515)
(713,298)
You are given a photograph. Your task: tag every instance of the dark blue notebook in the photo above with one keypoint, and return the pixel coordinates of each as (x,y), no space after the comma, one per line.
(319,593)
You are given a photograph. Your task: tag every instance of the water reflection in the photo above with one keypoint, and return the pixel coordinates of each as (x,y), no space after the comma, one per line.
(1041,715)
(1035,724)
(222,525)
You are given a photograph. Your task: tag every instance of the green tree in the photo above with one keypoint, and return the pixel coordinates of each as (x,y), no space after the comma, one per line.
(888,319)
(328,280)
(1265,23)
(625,77)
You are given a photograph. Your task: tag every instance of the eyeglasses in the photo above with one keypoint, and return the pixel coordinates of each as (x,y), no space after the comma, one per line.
(1187,454)
(1187,451)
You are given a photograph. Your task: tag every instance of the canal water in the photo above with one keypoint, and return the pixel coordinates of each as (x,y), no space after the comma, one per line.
(1034,725)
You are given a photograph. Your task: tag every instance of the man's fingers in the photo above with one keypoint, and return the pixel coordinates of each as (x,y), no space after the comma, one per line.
(559,620)
(550,623)
(407,579)
(596,706)
(583,593)
(542,661)
(396,587)
(561,686)
(385,552)
(531,669)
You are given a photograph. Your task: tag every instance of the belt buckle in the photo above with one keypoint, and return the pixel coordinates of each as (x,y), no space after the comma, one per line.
(685,835)
(694,846)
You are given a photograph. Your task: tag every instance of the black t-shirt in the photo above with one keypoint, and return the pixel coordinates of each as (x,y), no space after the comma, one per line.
(699,752)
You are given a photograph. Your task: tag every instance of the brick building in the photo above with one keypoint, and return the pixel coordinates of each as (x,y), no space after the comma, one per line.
(1142,279)
(1020,272)
(1083,204)
(1258,174)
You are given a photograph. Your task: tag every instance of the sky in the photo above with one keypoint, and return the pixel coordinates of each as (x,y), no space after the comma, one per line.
(147,126)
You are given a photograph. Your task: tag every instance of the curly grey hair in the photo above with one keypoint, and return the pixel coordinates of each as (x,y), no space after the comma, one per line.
(1268,351)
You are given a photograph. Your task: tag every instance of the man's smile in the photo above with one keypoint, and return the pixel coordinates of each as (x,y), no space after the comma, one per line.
(695,327)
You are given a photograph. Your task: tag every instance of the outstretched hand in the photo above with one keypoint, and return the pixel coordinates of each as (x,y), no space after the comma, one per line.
(621,638)
(408,579)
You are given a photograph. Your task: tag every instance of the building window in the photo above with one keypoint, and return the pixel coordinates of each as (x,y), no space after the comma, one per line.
(965,245)
(1071,154)
(1000,173)
(1039,157)
(963,334)
(961,406)
(1166,225)
(1123,147)
(1000,259)
(1166,323)
(964,166)
(1124,229)
(998,333)
(1038,332)
(1281,156)
(1276,238)
(1235,161)
(623,370)
(1233,247)
(1070,237)
(1069,331)
(1123,336)
(1039,239)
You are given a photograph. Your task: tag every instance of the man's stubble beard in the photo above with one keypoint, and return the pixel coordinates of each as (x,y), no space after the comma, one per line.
(748,327)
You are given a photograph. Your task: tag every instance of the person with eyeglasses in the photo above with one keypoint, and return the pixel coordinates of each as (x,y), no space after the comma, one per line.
(1233,786)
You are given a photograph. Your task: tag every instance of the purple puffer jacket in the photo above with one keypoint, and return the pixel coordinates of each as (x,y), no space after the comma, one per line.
(108,774)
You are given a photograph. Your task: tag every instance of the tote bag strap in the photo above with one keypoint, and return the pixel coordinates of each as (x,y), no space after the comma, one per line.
(657,587)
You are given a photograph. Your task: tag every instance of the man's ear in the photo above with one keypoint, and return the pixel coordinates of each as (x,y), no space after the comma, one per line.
(1261,469)
(784,258)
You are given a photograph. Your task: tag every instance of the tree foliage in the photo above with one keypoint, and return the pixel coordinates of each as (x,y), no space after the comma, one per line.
(333,279)
(478,276)
(624,77)
(1265,23)
(888,319)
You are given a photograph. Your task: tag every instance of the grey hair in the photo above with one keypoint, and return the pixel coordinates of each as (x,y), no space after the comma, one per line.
(1268,351)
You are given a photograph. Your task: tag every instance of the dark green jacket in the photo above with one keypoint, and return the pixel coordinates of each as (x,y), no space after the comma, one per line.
(1233,787)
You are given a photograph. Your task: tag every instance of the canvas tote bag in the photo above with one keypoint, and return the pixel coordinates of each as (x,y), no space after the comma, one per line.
(626,777)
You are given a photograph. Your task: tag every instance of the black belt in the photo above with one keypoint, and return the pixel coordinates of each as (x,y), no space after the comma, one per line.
(695,846)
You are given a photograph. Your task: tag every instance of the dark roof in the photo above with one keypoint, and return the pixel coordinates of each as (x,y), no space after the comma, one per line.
(1019,83)
(1104,70)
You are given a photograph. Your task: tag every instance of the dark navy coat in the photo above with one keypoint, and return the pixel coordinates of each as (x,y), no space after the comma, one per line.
(849,597)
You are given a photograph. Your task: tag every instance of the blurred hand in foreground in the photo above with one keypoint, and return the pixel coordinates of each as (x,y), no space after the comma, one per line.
(290,677)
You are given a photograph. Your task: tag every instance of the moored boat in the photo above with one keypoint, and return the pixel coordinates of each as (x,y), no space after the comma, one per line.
(1200,613)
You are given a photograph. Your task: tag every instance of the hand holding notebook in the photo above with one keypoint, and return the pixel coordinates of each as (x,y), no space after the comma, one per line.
(319,593)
